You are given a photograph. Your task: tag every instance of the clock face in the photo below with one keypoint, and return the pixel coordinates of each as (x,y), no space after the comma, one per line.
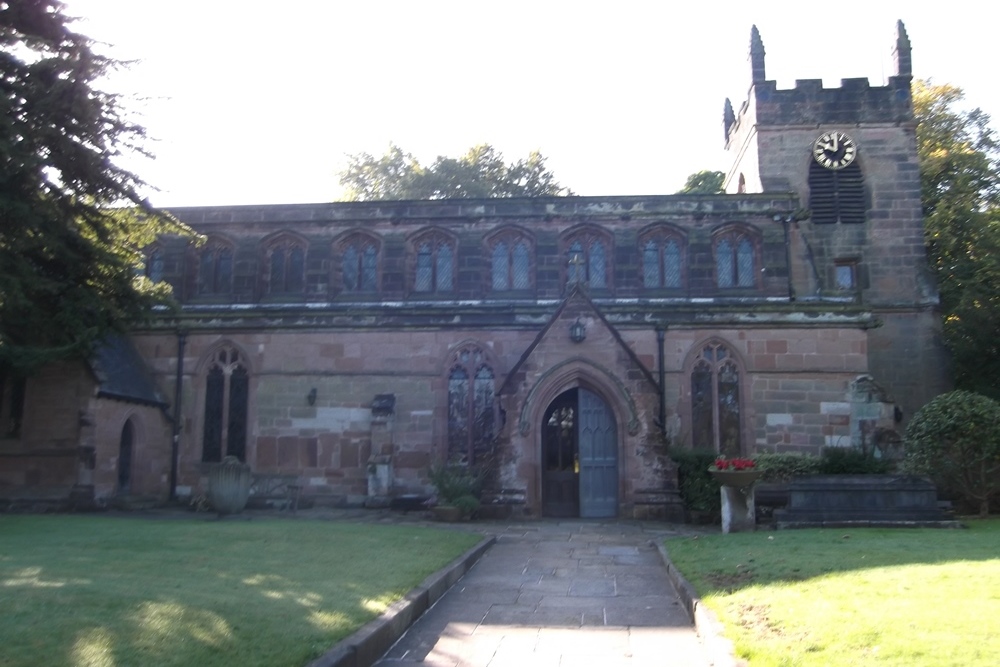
(834,150)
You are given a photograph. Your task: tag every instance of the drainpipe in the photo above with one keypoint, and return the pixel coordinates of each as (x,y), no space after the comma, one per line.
(661,332)
(175,443)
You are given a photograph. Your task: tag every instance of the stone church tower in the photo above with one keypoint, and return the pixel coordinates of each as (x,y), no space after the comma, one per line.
(850,155)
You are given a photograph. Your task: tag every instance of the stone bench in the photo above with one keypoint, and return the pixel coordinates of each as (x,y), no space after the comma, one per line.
(268,490)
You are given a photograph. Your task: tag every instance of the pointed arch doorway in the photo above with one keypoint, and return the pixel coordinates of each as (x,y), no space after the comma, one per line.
(579,457)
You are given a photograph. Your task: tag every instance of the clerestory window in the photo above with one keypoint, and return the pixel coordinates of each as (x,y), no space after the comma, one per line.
(434,264)
(587,260)
(735,260)
(510,262)
(215,269)
(359,263)
(286,268)
(662,260)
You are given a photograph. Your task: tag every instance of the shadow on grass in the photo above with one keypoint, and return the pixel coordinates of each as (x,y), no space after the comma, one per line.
(727,563)
(97,591)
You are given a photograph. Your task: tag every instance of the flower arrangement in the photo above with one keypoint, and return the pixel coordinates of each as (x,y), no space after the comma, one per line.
(722,463)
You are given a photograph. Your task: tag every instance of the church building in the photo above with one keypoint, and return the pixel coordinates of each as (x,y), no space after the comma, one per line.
(564,343)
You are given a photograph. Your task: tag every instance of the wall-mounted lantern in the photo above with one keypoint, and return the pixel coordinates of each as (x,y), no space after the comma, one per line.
(311,396)
(577,331)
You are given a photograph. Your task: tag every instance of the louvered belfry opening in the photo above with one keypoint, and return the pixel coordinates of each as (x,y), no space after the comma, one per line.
(836,195)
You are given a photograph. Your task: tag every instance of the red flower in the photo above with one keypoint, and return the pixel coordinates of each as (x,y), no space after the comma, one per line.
(723,463)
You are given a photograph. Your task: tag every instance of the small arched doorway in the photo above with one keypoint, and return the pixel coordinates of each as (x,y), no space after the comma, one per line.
(125,458)
(579,457)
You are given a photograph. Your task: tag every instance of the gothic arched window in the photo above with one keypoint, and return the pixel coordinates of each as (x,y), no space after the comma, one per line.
(715,401)
(434,263)
(510,262)
(227,393)
(286,267)
(359,263)
(735,260)
(587,260)
(662,260)
(471,406)
(215,269)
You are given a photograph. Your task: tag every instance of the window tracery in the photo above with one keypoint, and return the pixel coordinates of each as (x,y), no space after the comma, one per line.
(510,262)
(434,263)
(715,400)
(359,260)
(587,259)
(662,254)
(215,268)
(735,259)
(227,393)
(471,406)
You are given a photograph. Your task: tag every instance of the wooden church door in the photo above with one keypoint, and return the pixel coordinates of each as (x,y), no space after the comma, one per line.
(579,457)
(598,444)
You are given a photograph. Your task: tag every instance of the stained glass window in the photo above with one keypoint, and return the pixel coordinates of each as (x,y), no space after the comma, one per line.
(715,401)
(471,407)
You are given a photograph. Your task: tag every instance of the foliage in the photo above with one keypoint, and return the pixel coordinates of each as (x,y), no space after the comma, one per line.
(458,484)
(84,590)
(67,261)
(851,461)
(960,193)
(956,440)
(479,174)
(822,597)
(698,490)
(783,467)
(704,183)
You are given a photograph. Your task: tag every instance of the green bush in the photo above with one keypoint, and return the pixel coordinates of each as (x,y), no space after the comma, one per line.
(851,461)
(456,483)
(699,492)
(782,467)
(956,440)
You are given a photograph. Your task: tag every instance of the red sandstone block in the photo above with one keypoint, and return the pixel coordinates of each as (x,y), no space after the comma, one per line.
(777,346)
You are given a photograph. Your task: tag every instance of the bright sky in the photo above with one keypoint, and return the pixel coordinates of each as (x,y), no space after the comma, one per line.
(254,102)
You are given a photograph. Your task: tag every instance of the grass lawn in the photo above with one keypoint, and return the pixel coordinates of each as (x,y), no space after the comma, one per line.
(109,592)
(919,597)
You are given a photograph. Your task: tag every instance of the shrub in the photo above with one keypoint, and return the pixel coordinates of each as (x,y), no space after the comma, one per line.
(782,467)
(699,492)
(851,461)
(956,440)
(457,483)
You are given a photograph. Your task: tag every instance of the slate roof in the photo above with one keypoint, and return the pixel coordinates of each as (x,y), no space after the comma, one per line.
(122,373)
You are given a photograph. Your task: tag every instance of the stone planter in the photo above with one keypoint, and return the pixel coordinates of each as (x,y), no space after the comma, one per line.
(736,490)
(229,486)
(738,479)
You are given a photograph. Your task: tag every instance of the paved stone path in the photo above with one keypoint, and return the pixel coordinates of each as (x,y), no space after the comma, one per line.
(571,593)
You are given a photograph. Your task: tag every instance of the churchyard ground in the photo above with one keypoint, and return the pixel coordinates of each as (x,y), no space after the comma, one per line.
(99,591)
(904,597)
